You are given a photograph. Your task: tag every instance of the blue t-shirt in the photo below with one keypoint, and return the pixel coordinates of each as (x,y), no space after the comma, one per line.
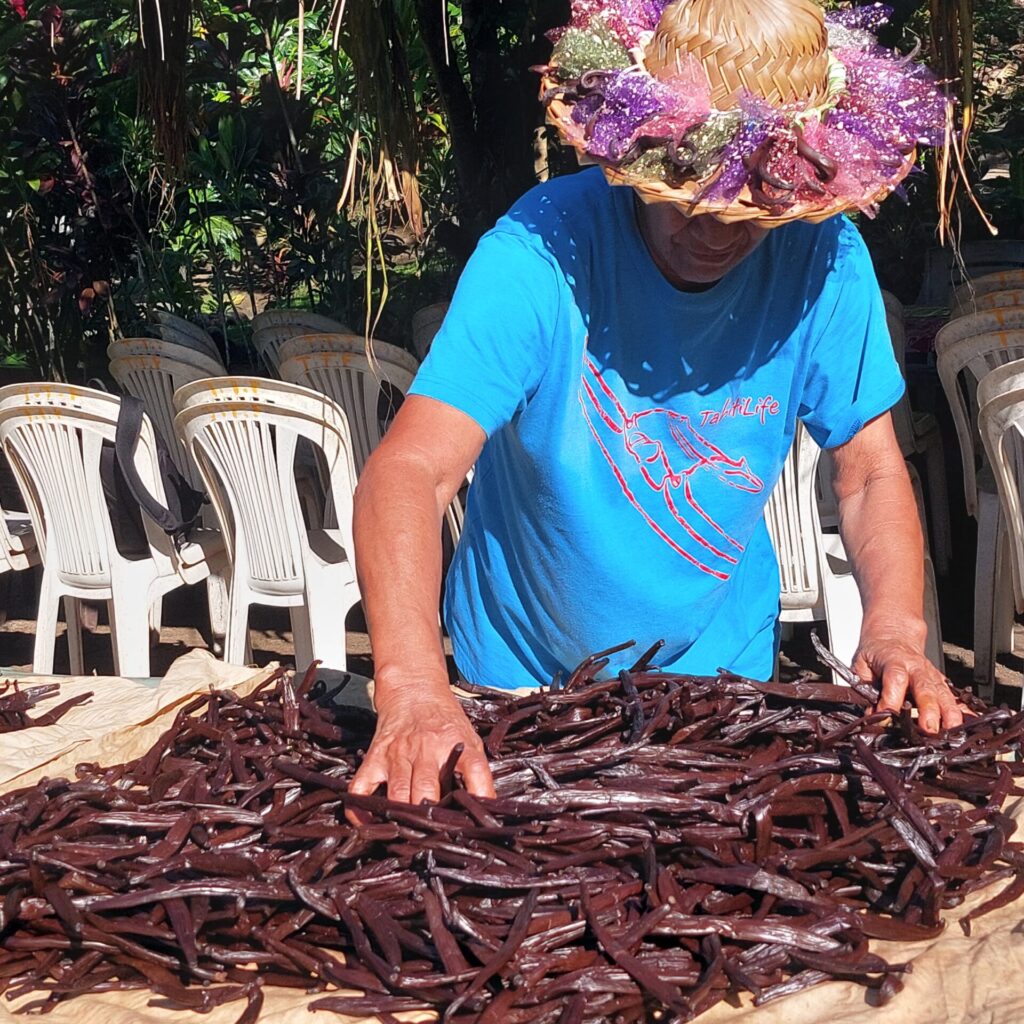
(635,432)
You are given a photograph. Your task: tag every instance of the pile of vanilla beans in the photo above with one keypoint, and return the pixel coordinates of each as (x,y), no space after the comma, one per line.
(16,702)
(658,842)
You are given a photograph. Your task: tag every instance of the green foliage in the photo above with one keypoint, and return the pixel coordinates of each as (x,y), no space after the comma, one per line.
(281,176)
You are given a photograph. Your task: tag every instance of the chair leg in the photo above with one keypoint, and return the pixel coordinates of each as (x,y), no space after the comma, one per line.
(844,615)
(1004,609)
(327,635)
(46,628)
(129,634)
(156,616)
(933,644)
(76,661)
(990,531)
(938,507)
(302,637)
(217,603)
(236,634)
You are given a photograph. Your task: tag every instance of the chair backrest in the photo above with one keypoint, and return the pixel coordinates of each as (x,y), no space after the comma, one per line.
(53,434)
(792,517)
(893,306)
(244,438)
(369,391)
(179,323)
(1001,424)
(999,281)
(122,347)
(943,272)
(426,322)
(989,321)
(902,416)
(273,327)
(153,380)
(990,300)
(185,340)
(986,256)
(268,341)
(303,318)
(236,388)
(962,364)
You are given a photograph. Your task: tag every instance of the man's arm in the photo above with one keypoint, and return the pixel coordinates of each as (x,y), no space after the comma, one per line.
(401,499)
(881,531)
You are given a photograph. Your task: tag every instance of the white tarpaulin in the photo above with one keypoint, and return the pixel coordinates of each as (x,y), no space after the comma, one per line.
(955,979)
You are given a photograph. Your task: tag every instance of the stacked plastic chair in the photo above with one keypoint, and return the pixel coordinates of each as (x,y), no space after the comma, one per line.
(967,349)
(1001,424)
(52,435)
(918,434)
(273,327)
(368,383)
(815,576)
(965,296)
(179,331)
(243,434)
(426,322)
(944,272)
(152,370)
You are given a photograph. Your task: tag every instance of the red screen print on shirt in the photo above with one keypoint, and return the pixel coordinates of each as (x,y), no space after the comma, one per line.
(659,450)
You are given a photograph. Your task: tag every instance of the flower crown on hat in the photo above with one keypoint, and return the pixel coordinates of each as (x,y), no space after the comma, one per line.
(746,109)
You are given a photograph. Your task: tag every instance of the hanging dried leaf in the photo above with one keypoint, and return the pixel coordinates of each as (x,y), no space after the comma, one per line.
(164,34)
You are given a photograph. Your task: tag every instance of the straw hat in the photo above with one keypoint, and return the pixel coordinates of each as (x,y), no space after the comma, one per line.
(745,109)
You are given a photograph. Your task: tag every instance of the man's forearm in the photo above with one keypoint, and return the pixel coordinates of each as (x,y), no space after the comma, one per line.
(881,532)
(397,528)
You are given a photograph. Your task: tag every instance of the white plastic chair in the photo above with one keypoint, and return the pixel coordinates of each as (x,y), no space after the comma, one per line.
(989,321)
(990,300)
(273,327)
(52,434)
(1001,423)
(368,390)
(267,342)
(987,255)
(179,323)
(426,322)
(816,579)
(962,365)
(18,549)
(191,337)
(918,433)
(153,379)
(243,434)
(206,365)
(943,272)
(965,294)
(337,365)
(304,318)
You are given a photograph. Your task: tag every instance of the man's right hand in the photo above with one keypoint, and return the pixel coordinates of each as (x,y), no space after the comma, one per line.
(414,739)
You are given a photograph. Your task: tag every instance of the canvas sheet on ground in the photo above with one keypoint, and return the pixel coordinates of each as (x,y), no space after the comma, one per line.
(955,979)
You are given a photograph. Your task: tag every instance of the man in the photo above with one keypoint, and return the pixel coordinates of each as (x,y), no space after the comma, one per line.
(627,377)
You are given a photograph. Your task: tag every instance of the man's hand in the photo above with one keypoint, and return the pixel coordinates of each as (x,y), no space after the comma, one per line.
(413,741)
(903,670)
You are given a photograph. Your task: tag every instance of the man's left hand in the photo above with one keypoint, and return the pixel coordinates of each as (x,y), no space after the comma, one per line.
(903,670)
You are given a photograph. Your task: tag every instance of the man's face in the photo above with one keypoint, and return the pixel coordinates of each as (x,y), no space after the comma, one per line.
(695,250)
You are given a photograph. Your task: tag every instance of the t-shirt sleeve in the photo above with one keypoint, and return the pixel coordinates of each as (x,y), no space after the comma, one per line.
(490,354)
(852,374)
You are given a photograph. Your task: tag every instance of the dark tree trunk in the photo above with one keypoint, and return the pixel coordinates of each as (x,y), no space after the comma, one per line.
(492,118)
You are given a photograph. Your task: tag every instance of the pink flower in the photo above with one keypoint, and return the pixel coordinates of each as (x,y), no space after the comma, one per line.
(19,8)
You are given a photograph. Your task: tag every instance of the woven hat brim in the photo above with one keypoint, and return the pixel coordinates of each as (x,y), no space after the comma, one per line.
(742,208)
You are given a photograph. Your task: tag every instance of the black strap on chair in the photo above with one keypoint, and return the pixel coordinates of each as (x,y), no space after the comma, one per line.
(184,502)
